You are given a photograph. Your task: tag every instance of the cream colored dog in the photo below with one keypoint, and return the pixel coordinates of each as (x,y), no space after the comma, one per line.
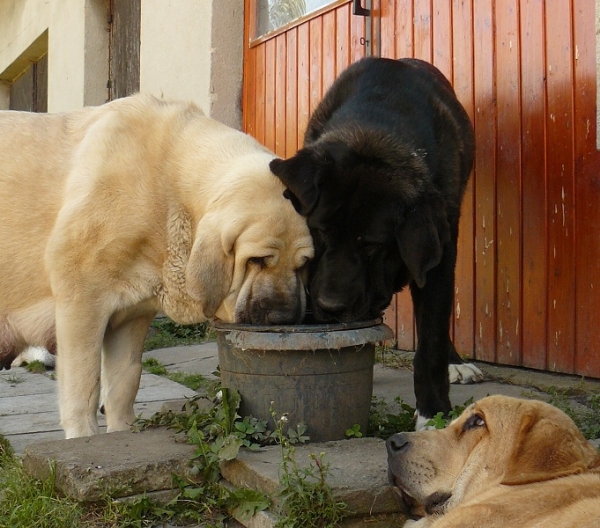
(505,462)
(111,214)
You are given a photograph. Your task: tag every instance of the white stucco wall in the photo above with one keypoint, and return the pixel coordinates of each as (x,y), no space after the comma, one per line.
(190,49)
(77,54)
(193,51)
(172,33)
(72,32)
(22,23)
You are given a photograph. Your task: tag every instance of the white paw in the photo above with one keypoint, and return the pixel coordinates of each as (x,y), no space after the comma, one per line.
(421,523)
(421,424)
(31,354)
(464,373)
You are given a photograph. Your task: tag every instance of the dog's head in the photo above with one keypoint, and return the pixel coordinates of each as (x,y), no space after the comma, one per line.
(376,220)
(248,263)
(497,440)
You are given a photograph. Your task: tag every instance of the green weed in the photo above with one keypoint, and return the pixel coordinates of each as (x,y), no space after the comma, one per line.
(36,367)
(583,408)
(164,333)
(191,381)
(305,498)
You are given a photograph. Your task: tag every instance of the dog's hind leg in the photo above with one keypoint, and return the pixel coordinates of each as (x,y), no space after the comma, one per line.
(121,370)
(79,334)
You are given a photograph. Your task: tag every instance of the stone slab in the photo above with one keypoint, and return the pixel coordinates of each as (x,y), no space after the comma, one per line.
(357,472)
(29,404)
(195,359)
(122,463)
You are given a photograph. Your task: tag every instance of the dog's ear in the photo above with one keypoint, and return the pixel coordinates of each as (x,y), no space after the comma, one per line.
(209,270)
(300,174)
(544,451)
(421,235)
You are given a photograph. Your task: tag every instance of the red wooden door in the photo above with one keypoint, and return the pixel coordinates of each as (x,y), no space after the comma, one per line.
(525,70)
(286,72)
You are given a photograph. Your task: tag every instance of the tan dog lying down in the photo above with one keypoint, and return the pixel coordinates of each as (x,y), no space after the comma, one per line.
(111,214)
(504,463)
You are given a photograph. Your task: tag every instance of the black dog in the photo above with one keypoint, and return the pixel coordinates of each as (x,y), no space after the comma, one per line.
(386,159)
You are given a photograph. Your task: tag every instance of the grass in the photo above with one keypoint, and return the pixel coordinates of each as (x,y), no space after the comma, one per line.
(392,358)
(36,367)
(164,333)
(583,408)
(26,502)
(191,381)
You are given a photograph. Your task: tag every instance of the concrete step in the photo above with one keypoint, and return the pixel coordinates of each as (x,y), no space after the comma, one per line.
(357,475)
(122,464)
(127,464)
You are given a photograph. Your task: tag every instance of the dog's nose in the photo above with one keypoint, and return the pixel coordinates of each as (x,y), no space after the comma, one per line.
(396,443)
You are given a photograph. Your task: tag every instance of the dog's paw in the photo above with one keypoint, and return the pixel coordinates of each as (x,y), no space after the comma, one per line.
(31,354)
(422,423)
(464,373)
(421,523)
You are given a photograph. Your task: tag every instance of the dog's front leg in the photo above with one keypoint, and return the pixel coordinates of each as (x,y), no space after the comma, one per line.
(79,333)
(122,369)
(433,307)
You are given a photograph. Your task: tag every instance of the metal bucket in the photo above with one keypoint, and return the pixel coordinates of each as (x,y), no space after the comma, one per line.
(319,374)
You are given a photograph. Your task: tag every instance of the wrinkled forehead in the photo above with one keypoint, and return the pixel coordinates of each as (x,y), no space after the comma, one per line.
(278,233)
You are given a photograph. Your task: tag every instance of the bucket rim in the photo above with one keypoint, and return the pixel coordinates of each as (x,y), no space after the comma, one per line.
(296,329)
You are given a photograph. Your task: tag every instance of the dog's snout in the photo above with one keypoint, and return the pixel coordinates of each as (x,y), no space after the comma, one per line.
(331,305)
(397,443)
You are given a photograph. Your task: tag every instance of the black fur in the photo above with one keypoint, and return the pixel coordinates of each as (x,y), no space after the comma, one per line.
(386,159)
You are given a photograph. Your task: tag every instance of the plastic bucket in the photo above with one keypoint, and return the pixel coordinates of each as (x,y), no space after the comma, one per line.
(318,374)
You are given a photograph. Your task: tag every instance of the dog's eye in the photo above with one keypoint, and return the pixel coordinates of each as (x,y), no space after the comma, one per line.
(303,263)
(258,261)
(474,421)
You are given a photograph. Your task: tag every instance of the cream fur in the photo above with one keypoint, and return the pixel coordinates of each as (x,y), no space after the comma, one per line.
(505,462)
(111,214)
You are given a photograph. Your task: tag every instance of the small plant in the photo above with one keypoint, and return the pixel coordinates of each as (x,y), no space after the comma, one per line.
(153,366)
(383,423)
(36,367)
(354,432)
(164,333)
(6,452)
(191,381)
(439,421)
(15,380)
(218,432)
(388,356)
(305,498)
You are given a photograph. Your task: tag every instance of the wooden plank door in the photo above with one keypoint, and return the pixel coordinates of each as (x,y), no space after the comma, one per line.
(286,72)
(529,253)
(124,51)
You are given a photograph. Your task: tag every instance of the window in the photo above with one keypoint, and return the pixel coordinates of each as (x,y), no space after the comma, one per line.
(273,14)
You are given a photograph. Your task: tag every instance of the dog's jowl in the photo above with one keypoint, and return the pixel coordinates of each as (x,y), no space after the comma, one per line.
(111,214)
(386,158)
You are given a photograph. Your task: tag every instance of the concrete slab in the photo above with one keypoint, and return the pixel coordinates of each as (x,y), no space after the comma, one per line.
(194,359)
(123,463)
(29,404)
(357,471)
